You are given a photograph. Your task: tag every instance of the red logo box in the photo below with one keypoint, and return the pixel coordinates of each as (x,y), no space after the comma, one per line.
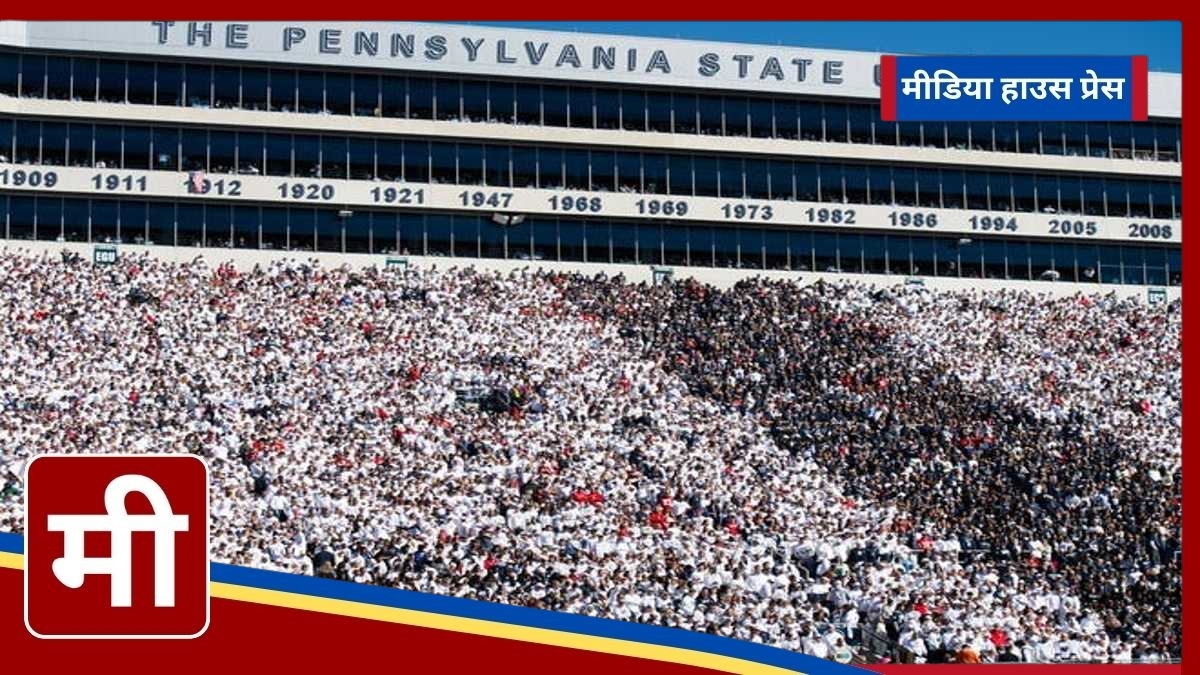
(116,546)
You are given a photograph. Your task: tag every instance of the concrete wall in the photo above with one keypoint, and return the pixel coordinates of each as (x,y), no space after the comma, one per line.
(246,259)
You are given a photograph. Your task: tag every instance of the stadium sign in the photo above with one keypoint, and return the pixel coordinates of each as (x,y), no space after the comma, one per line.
(104,255)
(1156,296)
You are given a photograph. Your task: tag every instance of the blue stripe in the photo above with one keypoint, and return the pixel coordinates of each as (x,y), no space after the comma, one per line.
(508,614)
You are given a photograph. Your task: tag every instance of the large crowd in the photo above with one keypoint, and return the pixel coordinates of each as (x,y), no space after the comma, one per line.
(849,472)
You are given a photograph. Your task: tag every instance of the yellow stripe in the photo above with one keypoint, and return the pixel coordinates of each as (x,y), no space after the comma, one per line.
(457,624)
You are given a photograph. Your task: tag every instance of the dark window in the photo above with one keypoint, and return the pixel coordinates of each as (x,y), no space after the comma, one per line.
(466,236)
(442,162)
(283,90)
(104,220)
(654,173)
(1000,191)
(524,169)
(137,148)
(1028,138)
(1093,196)
(624,242)
(711,116)
(604,170)
(1047,194)
(329,231)
(812,122)
(1075,134)
(550,168)
(475,101)
(6,141)
(608,108)
(333,157)
(254,88)
(29,138)
(54,143)
(1175,266)
(416,161)
(905,182)
(758,179)
(736,116)
(161,219)
(75,219)
(994,259)
(855,179)
(750,244)
(22,211)
(420,98)
(1110,264)
(825,251)
(1166,138)
(448,99)
(1156,266)
(470,164)
(775,249)
(112,81)
(529,104)
(886,133)
(390,159)
(197,80)
(706,173)
(1121,134)
(79,139)
(958,135)
(783,183)
(596,243)
(952,189)
(169,83)
(9,68)
(250,153)
(410,233)
(899,255)
(1139,199)
(761,118)
(492,238)
(1023,192)
(1116,195)
(800,250)
(1143,141)
(924,256)
(1006,136)
(395,97)
(83,79)
(910,134)
(221,148)
(245,226)
(929,192)
(732,184)
(977,190)
(1177,198)
(633,110)
(874,254)
(860,124)
(1160,199)
(310,91)
(880,178)
(831,184)
(502,102)
(1087,262)
(274,228)
(218,226)
(279,155)
(33,76)
(658,112)
(49,218)
(575,162)
(1052,138)
(649,243)
(1133,264)
(725,246)
(981,136)
(227,87)
(685,113)
(836,122)
(807,183)
(306,151)
(1097,133)
(629,172)
(362,158)
(786,119)
(366,96)
(554,105)
(108,146)
(675,244)
(58,77)
(934,135)
(681,175)
(581,108)
(497,160)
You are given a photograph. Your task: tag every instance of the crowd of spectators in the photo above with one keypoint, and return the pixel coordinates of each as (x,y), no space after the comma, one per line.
(849,472)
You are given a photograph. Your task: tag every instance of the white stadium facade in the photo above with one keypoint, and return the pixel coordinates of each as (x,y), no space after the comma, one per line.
(419,144)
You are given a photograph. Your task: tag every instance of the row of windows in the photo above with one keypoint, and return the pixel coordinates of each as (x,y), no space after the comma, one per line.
(422,161)
(474,236)
(371,94)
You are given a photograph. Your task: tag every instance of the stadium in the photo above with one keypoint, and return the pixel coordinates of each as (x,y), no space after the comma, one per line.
(658,330)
